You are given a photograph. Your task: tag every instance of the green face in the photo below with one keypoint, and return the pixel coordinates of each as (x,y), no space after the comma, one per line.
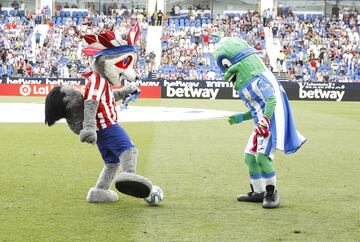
(227,48)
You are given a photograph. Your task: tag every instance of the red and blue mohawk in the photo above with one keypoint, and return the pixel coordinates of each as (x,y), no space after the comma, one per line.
(109,43)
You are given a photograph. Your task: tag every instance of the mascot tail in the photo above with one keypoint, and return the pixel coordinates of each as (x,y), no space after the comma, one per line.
(65,102)
(54,106)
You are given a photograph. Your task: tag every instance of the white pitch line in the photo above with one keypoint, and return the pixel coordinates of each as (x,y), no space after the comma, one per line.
(34,113)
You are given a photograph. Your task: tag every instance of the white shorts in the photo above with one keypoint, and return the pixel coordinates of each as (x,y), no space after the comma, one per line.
(264,146)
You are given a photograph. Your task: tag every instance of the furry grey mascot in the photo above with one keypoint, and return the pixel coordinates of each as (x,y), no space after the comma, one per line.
(93,116)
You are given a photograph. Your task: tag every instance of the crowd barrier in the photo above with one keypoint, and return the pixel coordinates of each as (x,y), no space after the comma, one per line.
(203,89)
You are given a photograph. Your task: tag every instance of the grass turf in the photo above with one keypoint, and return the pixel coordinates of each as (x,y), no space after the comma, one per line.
(46,173)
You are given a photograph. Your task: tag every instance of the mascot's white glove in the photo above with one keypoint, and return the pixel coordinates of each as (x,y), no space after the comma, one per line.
(262,128)
(88,133)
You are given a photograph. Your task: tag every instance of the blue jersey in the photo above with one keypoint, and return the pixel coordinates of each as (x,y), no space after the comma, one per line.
(254,93)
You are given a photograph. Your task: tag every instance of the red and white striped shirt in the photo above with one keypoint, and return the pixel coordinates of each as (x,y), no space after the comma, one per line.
(99,89)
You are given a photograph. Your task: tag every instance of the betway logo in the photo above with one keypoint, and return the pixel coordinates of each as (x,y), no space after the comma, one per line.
(181,83)
(191,92)
(320,93)
(142,83)
(42,81)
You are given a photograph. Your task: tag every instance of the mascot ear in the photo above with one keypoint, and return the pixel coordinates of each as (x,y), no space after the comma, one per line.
(133,34)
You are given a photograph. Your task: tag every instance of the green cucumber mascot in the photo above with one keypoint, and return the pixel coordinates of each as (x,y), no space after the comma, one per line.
(268,106)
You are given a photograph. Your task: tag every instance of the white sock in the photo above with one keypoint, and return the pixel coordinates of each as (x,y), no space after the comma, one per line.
(258,185)
(270,181)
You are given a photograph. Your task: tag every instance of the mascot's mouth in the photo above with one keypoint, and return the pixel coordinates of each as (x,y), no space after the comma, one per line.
(124,77)
(232,79)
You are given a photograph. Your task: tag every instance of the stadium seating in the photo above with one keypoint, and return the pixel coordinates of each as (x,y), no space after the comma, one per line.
(200,48)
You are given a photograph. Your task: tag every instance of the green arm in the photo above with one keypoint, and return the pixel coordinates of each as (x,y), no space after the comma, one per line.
(270,105)
(269,109)
(238,118)
(247,116)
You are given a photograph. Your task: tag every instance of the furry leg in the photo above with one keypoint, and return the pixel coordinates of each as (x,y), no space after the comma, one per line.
(101,196)
(128,182)
(128,160)
(101,192)
(106,176)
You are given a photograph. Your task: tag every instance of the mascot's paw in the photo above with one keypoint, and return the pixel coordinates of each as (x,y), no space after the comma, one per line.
(101,196)
(88,136)
(133,185)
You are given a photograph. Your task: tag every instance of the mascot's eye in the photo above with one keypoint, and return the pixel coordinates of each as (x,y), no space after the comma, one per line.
(126,60)
(226,63)
(124,63)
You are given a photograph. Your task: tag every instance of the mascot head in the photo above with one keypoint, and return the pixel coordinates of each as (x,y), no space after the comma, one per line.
(238,61)
(114,56)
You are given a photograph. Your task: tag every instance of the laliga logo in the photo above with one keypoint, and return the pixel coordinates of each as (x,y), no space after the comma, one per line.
(25,90)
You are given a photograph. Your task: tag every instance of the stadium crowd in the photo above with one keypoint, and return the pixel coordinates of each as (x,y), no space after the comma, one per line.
(187,44)
(58,53)
(315,49)
(320,49)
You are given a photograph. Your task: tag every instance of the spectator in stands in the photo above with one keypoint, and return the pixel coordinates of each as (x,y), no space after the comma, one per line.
(172,12)
(28,69)
(211,75)
(335,11)
(91,7)
(152,57)
(280,59)
(173,75)
(275,30)
(16,7)
(153,19)
(3,54)
(177,10)
(159,18)
(47,11)
(53,71)
(58,9)
(37,38)
(1,69)
(313,66)
(266,16)
(23,7)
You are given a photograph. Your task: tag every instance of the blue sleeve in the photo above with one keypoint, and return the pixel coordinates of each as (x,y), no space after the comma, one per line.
(266,89)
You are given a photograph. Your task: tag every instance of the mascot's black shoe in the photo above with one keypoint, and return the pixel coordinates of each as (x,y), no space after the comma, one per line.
(133,185)
(251,196)
(271,198)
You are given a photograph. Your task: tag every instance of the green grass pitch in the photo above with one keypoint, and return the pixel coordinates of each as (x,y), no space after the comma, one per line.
(45,174)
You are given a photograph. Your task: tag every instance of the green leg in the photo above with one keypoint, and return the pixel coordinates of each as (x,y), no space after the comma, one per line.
(254,168)
(255,173)
(267,169)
